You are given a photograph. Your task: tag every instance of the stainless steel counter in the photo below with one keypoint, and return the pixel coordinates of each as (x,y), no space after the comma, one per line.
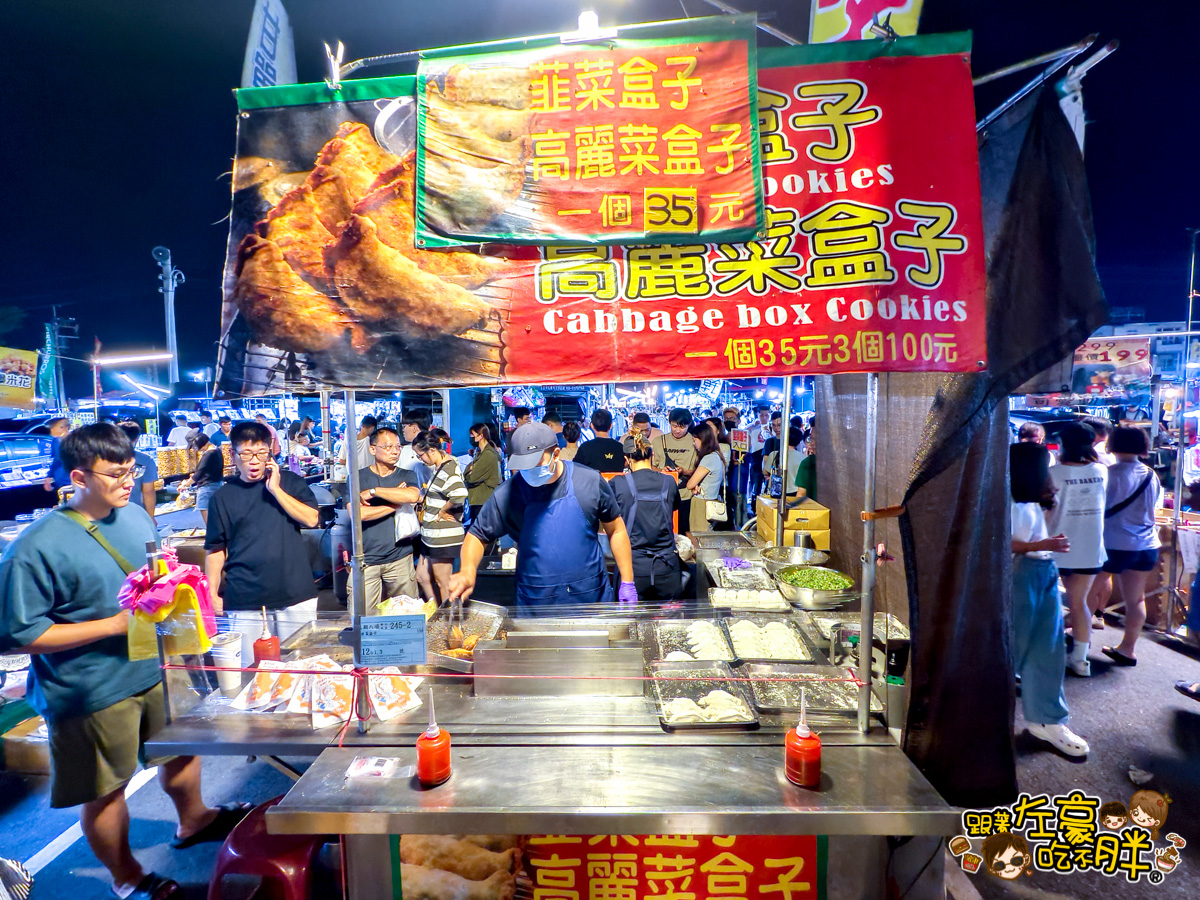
(727,789)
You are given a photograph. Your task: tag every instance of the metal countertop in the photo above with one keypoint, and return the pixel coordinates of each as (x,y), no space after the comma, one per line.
(621,790)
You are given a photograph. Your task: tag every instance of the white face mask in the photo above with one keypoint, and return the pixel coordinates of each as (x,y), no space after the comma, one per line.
(539,475)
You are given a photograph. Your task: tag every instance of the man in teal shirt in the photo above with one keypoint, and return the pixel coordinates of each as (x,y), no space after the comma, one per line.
(58,602)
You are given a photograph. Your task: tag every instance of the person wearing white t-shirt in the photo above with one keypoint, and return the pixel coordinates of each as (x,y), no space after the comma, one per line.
(1082,485)
(179,434)
(1104,429)
(1039,651)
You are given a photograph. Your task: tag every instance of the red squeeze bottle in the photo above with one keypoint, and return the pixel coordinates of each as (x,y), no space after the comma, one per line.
(802,753)
(433,752)
(267,646)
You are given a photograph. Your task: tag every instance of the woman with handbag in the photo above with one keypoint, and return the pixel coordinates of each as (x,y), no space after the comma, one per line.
(1130,533)
(707,481)
(442,506)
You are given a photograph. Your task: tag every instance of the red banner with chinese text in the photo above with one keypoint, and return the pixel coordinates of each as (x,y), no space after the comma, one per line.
(674,867)
(648,133)
(873,259)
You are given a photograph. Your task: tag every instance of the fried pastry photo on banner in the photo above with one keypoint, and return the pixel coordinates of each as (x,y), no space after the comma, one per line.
(439,851)
(500,122)
(390,207)
(285,311)
(331,196)
(421,883)
(357,157)
(463,197)
(498,86)
(295,227)
(382,285)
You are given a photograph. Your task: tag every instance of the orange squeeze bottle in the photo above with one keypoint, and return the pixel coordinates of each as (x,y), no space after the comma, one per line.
(802,752)
(267,646)
(433,752)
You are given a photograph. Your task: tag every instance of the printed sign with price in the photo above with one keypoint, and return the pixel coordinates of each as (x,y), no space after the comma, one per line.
(390,641)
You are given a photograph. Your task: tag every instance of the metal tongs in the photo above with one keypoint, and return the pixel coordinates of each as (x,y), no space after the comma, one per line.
(454,637)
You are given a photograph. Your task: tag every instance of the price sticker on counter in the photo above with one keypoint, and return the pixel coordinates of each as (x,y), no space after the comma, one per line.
(390,641)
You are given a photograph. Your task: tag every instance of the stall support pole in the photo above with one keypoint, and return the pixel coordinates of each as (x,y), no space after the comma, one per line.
(866,635)
(326,436)
(784,427)
(358,587)
(1181,448)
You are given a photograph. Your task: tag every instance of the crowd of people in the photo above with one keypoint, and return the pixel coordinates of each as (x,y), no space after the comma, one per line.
(1084,517)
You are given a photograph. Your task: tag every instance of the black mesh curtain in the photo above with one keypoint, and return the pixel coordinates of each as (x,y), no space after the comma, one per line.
(943,453)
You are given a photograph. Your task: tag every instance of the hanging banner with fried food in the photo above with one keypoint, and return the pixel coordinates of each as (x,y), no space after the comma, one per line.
(871,257)
(644,134)
(18,370)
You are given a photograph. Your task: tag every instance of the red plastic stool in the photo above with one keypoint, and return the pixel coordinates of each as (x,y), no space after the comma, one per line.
(283,861)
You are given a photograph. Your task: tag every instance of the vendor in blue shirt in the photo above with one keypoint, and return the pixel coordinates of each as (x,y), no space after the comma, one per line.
(58,602)
(554,510)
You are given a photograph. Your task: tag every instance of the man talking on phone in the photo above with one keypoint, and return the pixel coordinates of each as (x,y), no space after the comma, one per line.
(256,553)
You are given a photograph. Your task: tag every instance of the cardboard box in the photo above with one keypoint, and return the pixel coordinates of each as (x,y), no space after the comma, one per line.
(766,531)
(808,515)
(26,752)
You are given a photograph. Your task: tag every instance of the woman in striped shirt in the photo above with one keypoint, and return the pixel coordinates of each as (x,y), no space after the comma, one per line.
(441,516)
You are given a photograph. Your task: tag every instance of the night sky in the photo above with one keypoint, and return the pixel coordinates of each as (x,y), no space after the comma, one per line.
(119,122)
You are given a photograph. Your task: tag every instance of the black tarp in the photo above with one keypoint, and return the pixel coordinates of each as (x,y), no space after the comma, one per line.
(1044,299)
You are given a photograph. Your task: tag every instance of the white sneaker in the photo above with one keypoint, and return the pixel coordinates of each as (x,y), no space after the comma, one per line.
(1061,737)
(1081,667)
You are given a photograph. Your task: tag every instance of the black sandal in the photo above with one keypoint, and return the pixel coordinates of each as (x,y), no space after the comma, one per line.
(218,829)
(1118,658)
(152,887)
(1189,689)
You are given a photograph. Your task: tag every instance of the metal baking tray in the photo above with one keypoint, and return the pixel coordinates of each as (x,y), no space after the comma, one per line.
(320,636)
(752,577)
(821,624)
(775,688)
(483,619)
(673,680)
(775,604)
(761,619)
(671,634)
(721,540)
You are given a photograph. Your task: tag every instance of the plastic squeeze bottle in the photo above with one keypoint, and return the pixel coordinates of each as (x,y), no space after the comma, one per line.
(267,646)
(802,752)
(433,752)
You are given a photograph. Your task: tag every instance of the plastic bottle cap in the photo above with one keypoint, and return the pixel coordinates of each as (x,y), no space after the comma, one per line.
(802,728)
(266,635)
(433,730)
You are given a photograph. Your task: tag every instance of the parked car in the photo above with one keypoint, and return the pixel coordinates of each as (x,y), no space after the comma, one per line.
(1053,421)
(24,459)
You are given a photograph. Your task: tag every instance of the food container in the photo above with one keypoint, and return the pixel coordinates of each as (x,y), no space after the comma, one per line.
(775,688)
(696,682)
(753,577)
(754,601)
(672,635)
(478,619)
(811,598)
(971,862)
(776,558)
(819,626)
(808,655)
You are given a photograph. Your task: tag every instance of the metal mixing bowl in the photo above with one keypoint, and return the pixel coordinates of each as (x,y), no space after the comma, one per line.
(808,598)
(775,558)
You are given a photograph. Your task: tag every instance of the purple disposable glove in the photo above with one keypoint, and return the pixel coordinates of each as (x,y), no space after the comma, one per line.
(627,592)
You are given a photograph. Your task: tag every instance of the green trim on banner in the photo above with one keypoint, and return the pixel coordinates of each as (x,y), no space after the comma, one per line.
(714,28)
(822,864)
(310,94)
(397,884)
(855,51)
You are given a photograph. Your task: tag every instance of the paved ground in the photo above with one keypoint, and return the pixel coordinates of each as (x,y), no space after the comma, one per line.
(1130,717)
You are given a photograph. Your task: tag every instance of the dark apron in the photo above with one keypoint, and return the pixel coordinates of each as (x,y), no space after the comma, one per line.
(559,561)
(643,558)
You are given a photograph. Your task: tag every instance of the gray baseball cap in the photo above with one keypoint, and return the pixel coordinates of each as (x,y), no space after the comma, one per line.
(528,443)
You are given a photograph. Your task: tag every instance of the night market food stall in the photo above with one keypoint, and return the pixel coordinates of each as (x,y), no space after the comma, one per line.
(651,202)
